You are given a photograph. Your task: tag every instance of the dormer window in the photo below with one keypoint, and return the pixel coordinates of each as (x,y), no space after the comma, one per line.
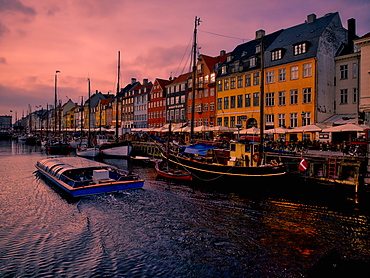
(258,48)
(253,62)
(223,69)
(276,54)
(229,58)
(300,48)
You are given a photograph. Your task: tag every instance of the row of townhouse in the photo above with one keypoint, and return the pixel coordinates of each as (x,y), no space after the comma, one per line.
(314,72)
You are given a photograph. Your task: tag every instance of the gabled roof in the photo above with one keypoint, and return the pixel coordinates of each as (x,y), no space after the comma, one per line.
(243,52)
(182,78)
(309,32)
(162,82)
(212,61)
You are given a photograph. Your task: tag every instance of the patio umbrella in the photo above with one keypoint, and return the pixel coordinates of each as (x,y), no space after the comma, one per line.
(278,130)
(306,128)
(251,130)
(346,127)
(201,128)
(220,128)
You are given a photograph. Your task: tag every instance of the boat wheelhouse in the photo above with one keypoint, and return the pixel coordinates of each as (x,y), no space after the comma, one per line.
(80,177)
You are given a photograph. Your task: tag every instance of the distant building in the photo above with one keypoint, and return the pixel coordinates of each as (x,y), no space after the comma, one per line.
(5,122)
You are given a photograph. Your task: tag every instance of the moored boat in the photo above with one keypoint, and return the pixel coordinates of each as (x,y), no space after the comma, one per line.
(165,171)
(88,152)
(81,177)
(116,149)
(207,163)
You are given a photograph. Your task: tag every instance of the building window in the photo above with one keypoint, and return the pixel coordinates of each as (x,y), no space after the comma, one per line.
(213,77)
(270,119)
(282,75)
(219,85)
(282,98)
(306,118)
(270,99)
(256,99)
(240,81)
(232,102)
(344,96)
(354,70)
(307,70)
(247,80)
(293,72)
(281,120)
(256,78)
(219,104)
(247,100)
(307,95)
(300,48)
(219,121)
(226,121)
(252,62)
(355,95)
(205,107)
(240,101)
(212,106)
(226,102)
(232,83)
(344,72)
(232,121)
(223,70)
(276,55)
(293,97)
(270,77)
(226,84)
(293,120)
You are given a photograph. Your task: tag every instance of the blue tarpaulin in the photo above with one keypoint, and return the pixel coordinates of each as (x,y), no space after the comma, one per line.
(199,149)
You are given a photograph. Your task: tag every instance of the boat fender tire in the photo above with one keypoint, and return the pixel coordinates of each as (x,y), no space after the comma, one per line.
(255,157)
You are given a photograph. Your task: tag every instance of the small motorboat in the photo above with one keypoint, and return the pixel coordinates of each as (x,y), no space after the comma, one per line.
(81,177)
(165,171)
(88,152)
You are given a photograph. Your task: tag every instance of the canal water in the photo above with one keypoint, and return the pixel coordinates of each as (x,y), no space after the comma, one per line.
(171,229)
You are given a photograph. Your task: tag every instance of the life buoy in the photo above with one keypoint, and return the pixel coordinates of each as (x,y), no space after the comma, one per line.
(255,157)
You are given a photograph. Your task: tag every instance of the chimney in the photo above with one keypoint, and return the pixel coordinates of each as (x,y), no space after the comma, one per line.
(222,53)
(311,18)
(145,81)
(351,25)
(260,34)
(133,81)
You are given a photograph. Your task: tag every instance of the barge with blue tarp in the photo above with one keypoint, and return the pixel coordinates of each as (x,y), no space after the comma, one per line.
(81,177)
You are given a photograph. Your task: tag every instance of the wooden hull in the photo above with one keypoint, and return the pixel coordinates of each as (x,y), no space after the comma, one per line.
(88,152)
(212,172)
(173,174)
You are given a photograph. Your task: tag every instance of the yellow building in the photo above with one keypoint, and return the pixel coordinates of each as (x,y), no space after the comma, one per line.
(298,77)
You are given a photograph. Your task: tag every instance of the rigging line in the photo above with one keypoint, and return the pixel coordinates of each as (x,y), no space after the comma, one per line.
(186,50)
(225,36)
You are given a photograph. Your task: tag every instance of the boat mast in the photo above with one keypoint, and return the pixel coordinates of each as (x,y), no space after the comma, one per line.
(196,24)
(89,107)
(262,102)
(82,110)
(119,57)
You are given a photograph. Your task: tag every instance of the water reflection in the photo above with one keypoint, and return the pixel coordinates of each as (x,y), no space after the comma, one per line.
(169,229)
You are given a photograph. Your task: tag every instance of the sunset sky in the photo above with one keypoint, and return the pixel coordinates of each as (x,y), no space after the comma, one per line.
(81,39)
